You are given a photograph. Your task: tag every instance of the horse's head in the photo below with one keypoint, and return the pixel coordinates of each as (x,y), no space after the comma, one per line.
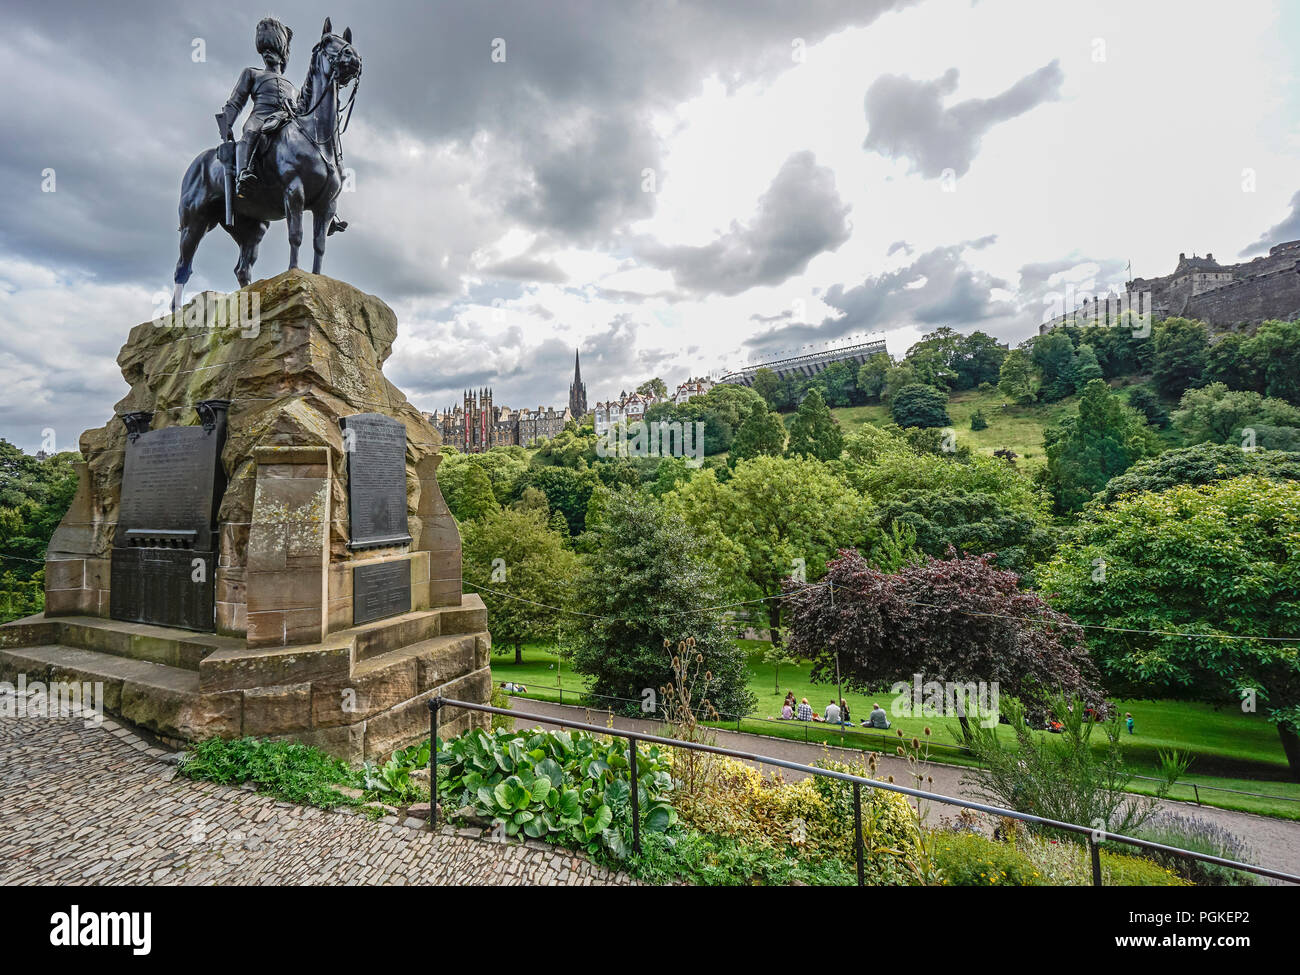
(342,63)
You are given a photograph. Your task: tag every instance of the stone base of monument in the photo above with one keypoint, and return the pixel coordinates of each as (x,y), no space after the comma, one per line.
(258,544)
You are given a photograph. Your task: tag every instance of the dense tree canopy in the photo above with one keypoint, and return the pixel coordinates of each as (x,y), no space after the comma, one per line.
(956,619)
(1182,351)
(648,578)
(971,522)
(919,405)
(1085,451)
(762,432)
(814,432)
(774,517)
(1221,415)
(521,568)
(1212,561)
(1202,464)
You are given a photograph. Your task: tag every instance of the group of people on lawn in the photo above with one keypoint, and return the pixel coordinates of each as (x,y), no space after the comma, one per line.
(834,713)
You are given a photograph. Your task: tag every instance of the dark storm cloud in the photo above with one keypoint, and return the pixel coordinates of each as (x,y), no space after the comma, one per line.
(938,288)
(907,118)
(1288,229)
(114,102)
(800,216)
(450,150)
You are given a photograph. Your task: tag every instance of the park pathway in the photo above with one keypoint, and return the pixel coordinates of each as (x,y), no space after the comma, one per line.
(1276,841)
(99,805)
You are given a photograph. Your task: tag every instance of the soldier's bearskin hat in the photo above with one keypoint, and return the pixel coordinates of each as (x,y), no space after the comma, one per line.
(274,37)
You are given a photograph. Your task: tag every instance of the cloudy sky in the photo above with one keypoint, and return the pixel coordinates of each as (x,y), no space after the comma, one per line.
(675,188)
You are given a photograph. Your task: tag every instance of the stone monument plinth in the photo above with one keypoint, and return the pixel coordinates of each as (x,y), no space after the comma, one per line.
(258,544)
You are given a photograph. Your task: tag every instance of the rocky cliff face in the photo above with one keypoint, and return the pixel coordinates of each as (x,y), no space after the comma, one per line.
(293,353)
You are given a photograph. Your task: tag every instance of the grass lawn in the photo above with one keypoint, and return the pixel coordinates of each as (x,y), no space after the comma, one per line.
(1230,750)
(1017,427)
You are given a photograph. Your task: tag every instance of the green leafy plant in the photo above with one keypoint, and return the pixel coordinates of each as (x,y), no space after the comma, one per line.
(392,780)
(566,788)
(286,770)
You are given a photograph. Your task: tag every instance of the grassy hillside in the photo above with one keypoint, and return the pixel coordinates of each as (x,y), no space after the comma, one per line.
(1017,427)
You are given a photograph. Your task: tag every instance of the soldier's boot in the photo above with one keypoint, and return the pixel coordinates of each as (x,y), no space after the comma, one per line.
(245,152)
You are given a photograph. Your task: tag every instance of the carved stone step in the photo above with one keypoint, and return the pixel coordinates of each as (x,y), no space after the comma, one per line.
(134,641)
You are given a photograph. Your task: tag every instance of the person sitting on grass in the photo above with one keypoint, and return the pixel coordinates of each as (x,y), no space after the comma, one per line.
(877,718)
(789,699)
(832,713)
(844,712)
(787,712)
(805,710)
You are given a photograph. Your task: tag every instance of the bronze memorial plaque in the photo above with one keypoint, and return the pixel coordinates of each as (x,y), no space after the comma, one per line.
(376,449)
(379,590)
(164,547)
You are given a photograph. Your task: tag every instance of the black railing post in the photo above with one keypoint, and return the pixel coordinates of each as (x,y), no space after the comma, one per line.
(433,761)
(857,831)
(636,796)
(1095,852)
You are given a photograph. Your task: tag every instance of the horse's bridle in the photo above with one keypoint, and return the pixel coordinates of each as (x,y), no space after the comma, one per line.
(332,79)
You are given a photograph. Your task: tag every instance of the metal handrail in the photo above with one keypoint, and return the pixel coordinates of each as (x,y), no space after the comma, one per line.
(1095,837)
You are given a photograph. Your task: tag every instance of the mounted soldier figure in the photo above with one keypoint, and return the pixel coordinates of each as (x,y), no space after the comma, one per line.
(273,96)
(289,157)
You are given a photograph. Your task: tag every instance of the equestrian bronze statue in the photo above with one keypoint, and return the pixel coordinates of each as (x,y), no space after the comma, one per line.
(289,157)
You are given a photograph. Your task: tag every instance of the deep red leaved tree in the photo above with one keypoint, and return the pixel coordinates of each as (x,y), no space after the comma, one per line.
(952,619)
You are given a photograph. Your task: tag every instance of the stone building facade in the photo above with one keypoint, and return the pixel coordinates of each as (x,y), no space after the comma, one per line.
(1223,295)
(628,407)
(477,424)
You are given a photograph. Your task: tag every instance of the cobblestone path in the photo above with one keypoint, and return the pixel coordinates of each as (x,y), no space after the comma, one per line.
(99,805)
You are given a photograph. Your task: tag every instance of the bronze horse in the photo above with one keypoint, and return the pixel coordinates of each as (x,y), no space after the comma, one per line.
(298,170)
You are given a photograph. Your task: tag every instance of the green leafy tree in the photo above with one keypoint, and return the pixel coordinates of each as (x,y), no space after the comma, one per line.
(775,516)
(1204,463)
(1146,402)
(768,386)
(919,405)
(653,387)
(1220,415)
(476,497)
(1228,363)
(762,432)
(1086,366)
(522,569)
(1085,451)
(1018,379)
(34,494)
(970,522)
(840,382)
(1181,355)
(1274,352)
(1211,571)
(647,584)
(871,376)
(1053,355)
(567,491)
(814,432)
(896,377)
(978,421)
